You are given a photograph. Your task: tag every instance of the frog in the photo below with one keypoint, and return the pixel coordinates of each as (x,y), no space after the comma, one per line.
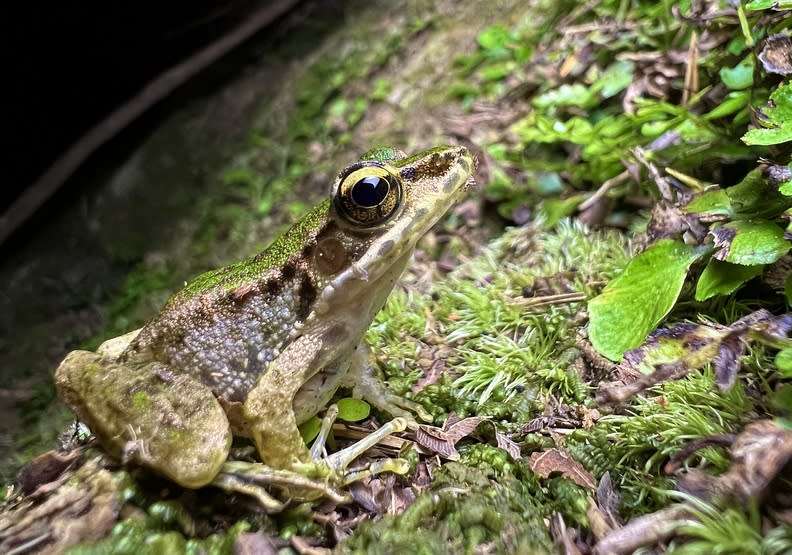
(256,348)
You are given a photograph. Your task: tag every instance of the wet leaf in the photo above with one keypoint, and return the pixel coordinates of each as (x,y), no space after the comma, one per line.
(781,399)
(727,361)
(616,78)
(740,76)
(779,120)
(691,345)
(748,243)
(710,202)
(310,428)
(769,4)
(353,410)
(565,95)
(437,441)
(723,278)
(463,428)
(634,303)
(788,289)
(783,362)
(731,103)
(507,445)
(554,461)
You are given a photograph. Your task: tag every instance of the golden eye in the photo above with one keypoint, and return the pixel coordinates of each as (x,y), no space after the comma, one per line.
(368,193)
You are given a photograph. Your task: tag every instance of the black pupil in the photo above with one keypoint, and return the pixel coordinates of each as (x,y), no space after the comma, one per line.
(370,191)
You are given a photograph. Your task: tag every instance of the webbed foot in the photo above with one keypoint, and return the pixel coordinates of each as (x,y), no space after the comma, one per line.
(322,477)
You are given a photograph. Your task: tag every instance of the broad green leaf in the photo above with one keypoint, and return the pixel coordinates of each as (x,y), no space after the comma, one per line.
(634,303)
(723,278)
(565,95)
(788,289)
(740,76)
(353,410)
(781,398)
(783,362)
(748,243)
(754,197)
(310,428)
(767,137)
(495,37)
(786,188)
(768,4)
(709,202)
(616,78)
(779,120)
(554,209)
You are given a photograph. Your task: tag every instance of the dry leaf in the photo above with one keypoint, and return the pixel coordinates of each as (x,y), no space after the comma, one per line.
(551,461)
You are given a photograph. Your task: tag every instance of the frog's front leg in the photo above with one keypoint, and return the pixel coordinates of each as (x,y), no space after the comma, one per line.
(362,379)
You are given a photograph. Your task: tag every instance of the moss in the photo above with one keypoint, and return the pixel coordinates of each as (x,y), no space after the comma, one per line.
(481,502)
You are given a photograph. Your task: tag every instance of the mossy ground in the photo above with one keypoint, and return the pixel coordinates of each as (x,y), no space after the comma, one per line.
(557,97)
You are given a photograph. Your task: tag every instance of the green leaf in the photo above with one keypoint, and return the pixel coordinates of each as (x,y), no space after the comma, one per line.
(740,76)
(783,362)
(733,102)
(767,137)
(565,95)
(353,410)
(769,4)
(748,242)
(616,78)
(709,202)
(754,197)
(723,278)
(781,398)
(634,303)
(779,120)
(788,289)
(553,209)
(495,40)
(310,428)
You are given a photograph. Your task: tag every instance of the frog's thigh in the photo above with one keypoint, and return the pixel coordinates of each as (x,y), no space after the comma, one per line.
(142,413)
(269,406)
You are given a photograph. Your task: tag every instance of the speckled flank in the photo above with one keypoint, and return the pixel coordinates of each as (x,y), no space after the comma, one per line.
(230,349)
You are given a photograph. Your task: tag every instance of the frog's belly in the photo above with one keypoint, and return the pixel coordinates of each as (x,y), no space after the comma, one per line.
(317,392)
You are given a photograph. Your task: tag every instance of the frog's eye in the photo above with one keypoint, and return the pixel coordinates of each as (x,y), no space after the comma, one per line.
(368,193)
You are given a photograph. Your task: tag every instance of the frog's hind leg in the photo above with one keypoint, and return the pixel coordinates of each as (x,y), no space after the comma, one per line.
(269,406)
(340,460)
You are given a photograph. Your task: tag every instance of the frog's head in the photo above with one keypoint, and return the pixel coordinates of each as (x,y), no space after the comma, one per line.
(378,211)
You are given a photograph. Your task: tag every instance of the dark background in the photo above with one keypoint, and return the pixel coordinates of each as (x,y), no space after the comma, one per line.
(67,65)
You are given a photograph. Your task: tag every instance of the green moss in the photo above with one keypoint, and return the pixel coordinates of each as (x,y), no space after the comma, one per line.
(483,500)
(131,537)
(141,401)
(635,446)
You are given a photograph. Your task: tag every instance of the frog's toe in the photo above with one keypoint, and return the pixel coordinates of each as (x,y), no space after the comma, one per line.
(305,482)
(340,460)
(405,408)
